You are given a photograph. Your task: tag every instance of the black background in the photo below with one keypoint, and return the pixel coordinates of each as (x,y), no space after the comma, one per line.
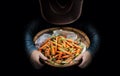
(17,14)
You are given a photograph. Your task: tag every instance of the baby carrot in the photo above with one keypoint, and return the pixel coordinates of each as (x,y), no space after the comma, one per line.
(69,43)
(66,56)
(67,52)
(67,46)
(70,40)
(77,46)
(43,46)
(77,52)
(59,45)
(56,55)
(60,54)
(52,49)
(55,48)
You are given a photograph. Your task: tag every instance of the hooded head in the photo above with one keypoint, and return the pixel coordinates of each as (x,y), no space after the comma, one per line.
(61,12)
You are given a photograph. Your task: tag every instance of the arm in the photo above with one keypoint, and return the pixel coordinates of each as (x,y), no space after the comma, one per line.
(29,33)
(94,39)
(31,50)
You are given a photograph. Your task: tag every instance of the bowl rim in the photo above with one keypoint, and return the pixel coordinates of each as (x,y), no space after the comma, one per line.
(65,28)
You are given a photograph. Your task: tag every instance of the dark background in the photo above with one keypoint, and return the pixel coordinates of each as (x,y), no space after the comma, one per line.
(20,12)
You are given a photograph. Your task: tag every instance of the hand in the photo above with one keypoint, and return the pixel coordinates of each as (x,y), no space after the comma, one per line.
(35,56)
(86,58)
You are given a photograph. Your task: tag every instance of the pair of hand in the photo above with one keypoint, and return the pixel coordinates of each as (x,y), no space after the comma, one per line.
(36,55)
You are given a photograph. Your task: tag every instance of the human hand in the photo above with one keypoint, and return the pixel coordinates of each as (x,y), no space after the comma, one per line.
(35,56)
(86,58)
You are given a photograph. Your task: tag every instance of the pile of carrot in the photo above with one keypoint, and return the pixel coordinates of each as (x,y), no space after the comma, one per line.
(60,49)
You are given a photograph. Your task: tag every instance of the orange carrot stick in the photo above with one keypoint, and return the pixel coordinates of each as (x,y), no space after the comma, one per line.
(56,55)
(55,49)
(60,54)
(46,44)
(67,52)
(77,46)
(66,56)
(69,43)
(52,49)
(70,40)
(59,45)
(77,51)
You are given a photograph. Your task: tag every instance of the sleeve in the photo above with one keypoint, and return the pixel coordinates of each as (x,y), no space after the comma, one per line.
(94,39)
(28,37)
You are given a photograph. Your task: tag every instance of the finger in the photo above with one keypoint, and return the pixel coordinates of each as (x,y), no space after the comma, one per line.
(78,58)
(86,63)
(38,64)
(42,56)
(81,65)
(38,61)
